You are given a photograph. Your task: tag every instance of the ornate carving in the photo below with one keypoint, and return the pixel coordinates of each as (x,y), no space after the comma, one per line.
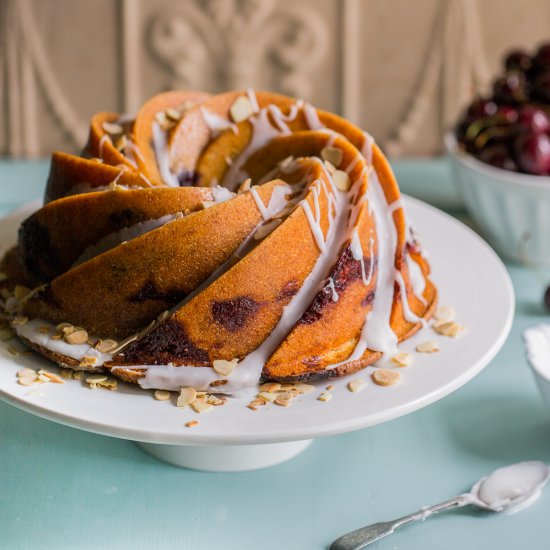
(224,44)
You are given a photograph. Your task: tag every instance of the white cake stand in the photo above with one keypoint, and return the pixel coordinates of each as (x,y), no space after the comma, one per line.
(469,276)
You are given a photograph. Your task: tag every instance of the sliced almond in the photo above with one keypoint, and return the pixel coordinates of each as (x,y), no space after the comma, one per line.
(330,387)
(77,337)
(270,387)
(95,379)
(186,396)
(201,406)
(27,380)
(325,396)
(445,314)
(6,334)
(53,377)
(44,329)
(264,230)
(241,109)
(105,346)
(386,377)
(283,399)
(20,321)
(267,396)
(216,383)
(112,128)
(356,385)
(332,155)
(207,204)
(121,143)
(87,361)
(214,400)
(402,359)
(427,347)
(225,368)
(245,185)
(304,388)
(450,329)
(66,373)
(342,180)
(162,395)
(330,167)
(25,372)
(191,423)
(173,114)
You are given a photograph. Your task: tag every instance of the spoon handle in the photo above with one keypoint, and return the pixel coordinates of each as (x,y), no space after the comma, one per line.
(362,537)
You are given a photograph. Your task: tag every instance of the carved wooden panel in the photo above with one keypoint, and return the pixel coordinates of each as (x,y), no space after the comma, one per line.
(401,69)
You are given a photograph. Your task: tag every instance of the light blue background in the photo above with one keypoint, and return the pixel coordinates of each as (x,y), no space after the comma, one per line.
(61,488)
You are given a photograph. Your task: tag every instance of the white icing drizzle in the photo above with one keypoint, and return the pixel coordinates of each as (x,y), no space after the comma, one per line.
(352,164)
(217,124)
(366,149)
(332,288)
(277,202)
(314,221)
(221,194)
(418,281)
(102,141)
(262,133)
(409,315)
(253,101)
(123,235)
(76,351)
(160,145)
(312,118)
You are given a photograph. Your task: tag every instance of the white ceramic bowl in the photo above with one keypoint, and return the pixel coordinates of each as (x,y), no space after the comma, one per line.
(512,210)
(537,344)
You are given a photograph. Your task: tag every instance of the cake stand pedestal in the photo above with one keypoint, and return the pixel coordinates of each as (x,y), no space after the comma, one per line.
(226,458)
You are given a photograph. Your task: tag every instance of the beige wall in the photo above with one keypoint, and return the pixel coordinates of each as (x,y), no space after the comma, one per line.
(400,68)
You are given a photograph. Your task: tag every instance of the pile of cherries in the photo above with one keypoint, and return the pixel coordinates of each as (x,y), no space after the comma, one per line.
(511,129)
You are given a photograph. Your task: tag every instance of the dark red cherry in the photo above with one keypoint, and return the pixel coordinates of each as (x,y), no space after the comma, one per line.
(510,88)
(541,87)
(517,60)
(499,156)
(508,114)
(533,153)
(481,107)
(533,120)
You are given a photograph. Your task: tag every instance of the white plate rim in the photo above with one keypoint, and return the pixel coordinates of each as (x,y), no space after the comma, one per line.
(195,437)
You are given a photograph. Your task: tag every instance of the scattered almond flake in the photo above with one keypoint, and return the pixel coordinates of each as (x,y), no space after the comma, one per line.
(35,393)
(57,336)
(79,336)
(342,180)
(109,384)
(330,167)
(43,378)
(450,329)
(245,185)
(225,368)
(66,373)
(332,155)
(304,388)
(87,361)
(44,329)
(267,396)
(27,380)
(160,117)
(201,406)
(427,347)
(207,204)
(97,159)
(105,346)
(217,383)
(53,377)
(3,277)
(21,292)
(112,127)
(162,395)
(25,372)
(356,385)
(6,334)
(330,387)
(386,377)
(95,379)
(325,396)
(13,351)
(264,230)
(186,396)
(286,387)
(252,407)
(258,402)
(445,314)
(403,359)
(241,109)
(19,321)
(191,423)
(121,142)
(201,394)
(63,326)
(77,375)
(270,387)
(283,399)
(173,114)
(214,400)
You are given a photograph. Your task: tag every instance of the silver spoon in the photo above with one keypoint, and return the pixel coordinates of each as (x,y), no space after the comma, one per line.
(511,487)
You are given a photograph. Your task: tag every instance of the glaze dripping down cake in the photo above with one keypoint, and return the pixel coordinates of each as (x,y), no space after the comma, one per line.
(219,241)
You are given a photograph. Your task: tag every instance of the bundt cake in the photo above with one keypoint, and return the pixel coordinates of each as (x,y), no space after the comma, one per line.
(216,241)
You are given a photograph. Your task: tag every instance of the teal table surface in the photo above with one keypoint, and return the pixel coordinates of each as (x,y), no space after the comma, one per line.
(61,488)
